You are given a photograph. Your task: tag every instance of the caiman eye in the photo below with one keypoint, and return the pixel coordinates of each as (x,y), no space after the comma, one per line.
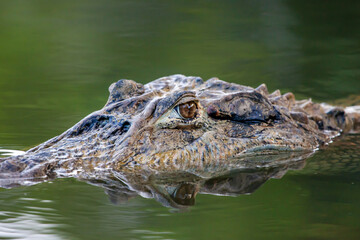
(186,114)
(187,110)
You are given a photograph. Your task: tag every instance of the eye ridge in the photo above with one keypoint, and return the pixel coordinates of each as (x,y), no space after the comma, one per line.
(187,110)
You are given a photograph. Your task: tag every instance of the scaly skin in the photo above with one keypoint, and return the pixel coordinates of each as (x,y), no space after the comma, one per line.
(138,130)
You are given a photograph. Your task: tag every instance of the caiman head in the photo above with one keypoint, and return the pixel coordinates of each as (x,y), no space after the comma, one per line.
(181,123)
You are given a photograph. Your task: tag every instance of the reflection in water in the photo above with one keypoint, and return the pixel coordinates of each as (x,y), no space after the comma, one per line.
(235,177)
(27,226)
(179,189)
(341,158)
(8,152)
(31,223)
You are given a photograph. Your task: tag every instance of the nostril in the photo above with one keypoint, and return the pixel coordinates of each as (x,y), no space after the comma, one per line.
(92,123)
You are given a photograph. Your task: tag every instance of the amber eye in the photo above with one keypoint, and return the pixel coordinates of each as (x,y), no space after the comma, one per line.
(187,110)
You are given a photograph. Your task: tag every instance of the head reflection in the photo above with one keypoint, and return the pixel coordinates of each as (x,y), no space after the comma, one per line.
(179,189)
(185,194)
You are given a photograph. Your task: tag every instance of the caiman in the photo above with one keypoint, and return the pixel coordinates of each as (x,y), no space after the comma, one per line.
(180,123)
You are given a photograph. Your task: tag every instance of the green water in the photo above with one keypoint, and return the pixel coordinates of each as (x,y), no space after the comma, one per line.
(57,59)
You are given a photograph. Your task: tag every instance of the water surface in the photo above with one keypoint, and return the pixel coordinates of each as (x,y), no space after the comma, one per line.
(58,59)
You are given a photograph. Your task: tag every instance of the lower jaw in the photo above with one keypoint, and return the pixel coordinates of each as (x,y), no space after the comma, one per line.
(210,150)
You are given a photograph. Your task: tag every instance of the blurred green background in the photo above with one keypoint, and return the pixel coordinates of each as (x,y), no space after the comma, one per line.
(57,59)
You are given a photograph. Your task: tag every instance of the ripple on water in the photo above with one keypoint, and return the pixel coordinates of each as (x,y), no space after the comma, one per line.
(32,222)
(27,226)
(9,152)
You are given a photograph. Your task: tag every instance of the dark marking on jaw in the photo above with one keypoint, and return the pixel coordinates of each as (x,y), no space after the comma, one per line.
(109,124)
(118,129)
(91,123)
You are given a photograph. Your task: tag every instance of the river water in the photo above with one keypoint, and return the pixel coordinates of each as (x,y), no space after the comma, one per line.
(57,60)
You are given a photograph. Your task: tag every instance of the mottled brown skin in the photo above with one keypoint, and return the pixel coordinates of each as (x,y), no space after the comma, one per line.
(140,129)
